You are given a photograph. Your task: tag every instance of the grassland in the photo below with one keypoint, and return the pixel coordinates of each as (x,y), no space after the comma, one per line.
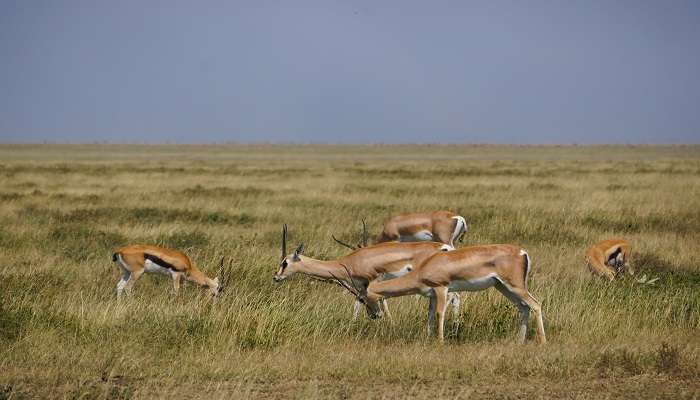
(64,335)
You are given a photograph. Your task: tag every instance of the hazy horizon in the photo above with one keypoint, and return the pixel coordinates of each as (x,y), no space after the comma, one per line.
(478,72)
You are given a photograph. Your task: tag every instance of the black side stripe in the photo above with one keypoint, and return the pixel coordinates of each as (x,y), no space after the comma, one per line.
(160,262)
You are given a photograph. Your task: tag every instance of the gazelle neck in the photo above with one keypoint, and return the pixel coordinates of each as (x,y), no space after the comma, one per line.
(322,269)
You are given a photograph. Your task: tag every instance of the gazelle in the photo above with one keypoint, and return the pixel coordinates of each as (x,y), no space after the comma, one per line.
(135,260)
(438,226)
(503,266)
(381,261)
(610,258)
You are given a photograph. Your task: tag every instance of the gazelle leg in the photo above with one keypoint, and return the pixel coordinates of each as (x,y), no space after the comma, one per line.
(177,277)
(454,301)
(537,309)
(122,282)
(385,306)
(523,308)
(431,313)
(356,309)
(526,301)
(441,300)
(135,275)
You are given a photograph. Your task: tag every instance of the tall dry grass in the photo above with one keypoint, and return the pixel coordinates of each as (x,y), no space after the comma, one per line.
(64,208)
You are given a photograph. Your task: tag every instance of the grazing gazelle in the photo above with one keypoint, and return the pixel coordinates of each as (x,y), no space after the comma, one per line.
(136,259)
(438,226)
(610,258)
(381,261)
(503,266)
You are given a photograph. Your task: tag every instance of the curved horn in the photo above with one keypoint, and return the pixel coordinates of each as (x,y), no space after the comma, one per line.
(344,285)
(347,271)
(284,242)
(364,233)
(351,247)
(221,267)
(226,274)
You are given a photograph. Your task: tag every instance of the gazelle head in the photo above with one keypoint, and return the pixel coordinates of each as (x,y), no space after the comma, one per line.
(221,281)
(288,262)
(616,261)
(372,306)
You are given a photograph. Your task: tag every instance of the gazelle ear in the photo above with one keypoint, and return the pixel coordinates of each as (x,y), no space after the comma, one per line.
(298,251)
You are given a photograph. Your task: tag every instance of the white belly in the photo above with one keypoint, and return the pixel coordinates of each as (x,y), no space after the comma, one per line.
(395,274)
(152,267)
(473,285)
(420,236)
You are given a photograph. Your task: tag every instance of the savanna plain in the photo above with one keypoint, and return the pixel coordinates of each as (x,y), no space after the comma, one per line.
(64,208)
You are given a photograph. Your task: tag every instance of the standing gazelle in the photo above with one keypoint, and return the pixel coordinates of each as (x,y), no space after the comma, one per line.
(438,226)
(381,261)
(503,266)
(135,260)
(610,258)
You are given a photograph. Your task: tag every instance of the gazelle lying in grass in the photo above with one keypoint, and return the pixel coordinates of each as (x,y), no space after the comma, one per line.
(610,258)
(505,267)
(381,261)
(438,226)
(135,260)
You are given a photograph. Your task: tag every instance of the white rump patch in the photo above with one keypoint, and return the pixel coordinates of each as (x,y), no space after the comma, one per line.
(473,285)
(529,264)
(461,224)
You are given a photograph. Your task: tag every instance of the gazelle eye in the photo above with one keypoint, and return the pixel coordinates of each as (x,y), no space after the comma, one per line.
(284,263)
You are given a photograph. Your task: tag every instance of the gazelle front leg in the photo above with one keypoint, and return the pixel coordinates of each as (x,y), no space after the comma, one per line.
(177,277)
(431,313)
(441,306)
(122,282)
(385,307)
(356,309)
(135,275)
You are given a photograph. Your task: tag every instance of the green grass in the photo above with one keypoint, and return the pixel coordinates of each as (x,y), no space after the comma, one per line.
(63,334)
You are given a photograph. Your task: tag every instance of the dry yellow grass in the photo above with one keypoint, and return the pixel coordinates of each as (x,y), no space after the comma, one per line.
(63,334)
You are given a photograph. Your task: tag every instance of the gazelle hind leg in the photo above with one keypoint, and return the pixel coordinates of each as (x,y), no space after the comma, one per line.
(523,307)
(537,309)
(454,300)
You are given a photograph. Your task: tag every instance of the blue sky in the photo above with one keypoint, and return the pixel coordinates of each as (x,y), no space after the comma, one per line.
(350,71)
